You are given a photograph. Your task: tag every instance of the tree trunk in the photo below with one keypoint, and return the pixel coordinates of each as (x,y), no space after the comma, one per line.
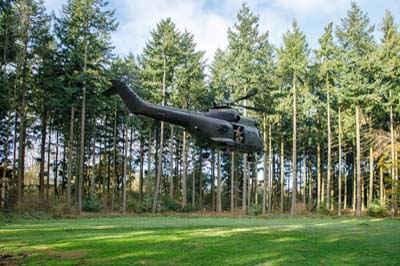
(265,165)
(381,187)
(310,181)
(125,174)
(149,153)
(244,188)
(294,147)
(114,176)
(48,164)
(358,145)
(318,176)
(56,167)
(171,163)
(70,146)
(83,116)
(193,179)
(340,167)
(42,155)
(5,165)
(201,180)
(304,178)
(345,196)
(213,208)
(15,140)
(328,170)
(249,185)
(184,178)
(219,185)
(394,161)
(354,182)
(160,152)
(141,161)
(371,176)
(255,180)
(92,176)
(21,156)
(282,172)
(270,168)
(233,182)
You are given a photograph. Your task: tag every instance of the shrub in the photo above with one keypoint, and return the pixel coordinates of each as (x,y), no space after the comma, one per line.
(92,204)
(188,208)
(376,210)
(325,211)
(168,204)
(255,209)
(146,204)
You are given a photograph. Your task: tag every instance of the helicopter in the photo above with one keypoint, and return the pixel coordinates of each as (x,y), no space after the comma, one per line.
(222,127)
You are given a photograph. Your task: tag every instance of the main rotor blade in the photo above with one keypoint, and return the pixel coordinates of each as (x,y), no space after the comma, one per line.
(257,109)
(251,93)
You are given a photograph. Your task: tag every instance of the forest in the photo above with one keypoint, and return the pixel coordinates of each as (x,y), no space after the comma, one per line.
(330,124)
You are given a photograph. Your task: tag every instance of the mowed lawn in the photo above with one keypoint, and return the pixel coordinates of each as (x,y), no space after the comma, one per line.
(201,241)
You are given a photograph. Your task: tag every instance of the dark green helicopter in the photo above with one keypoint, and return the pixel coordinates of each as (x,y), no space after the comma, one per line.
(222,127)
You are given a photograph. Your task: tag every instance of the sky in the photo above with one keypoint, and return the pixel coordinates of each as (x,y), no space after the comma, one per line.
(209,20)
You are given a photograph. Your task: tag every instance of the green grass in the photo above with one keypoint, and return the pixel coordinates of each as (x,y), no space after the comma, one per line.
(202,241)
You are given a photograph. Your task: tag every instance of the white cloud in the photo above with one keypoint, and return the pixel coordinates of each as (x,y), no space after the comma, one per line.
(54,5)
(304,7)
(138,18)
(208,20)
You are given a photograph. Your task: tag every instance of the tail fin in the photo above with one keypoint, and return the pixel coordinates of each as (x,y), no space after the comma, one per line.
(128,96)
(113,89)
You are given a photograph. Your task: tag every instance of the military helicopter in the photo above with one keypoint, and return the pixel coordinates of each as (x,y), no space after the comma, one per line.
(222,127)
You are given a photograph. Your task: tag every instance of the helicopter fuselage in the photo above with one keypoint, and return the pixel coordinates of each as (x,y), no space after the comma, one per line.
(221,128)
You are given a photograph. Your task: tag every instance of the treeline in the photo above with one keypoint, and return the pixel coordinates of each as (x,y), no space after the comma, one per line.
(330,126)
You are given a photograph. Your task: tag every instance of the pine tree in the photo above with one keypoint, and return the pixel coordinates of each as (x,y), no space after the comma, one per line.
(84,39)
(7,52)
(355,37)
(28,13)
(292,65)
(389,80)
(326,60)
(245,42)
(159,61)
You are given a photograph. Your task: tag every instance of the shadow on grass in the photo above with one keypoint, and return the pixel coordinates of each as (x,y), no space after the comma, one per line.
(207,242)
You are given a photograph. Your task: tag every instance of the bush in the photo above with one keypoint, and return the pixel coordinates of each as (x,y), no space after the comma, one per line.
(188,208)
(325,211)
(168,204)
(146,205)
(92,204)
(255,209)
(375,210)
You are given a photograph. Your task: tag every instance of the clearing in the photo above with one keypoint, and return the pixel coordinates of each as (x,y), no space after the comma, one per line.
(158,240)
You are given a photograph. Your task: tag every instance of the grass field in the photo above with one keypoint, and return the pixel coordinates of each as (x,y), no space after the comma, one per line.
(201,241)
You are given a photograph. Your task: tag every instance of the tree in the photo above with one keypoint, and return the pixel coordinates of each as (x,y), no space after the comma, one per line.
(326,60)
(190,92)
(292,65)
(7,52)
(159,61)
(84,33)
(28,13)
(245,43)
(389,80)
(355,37)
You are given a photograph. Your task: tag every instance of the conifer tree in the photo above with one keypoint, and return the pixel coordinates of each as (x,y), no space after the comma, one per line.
(389,79)
(356,39)
(84,32)
(292,66)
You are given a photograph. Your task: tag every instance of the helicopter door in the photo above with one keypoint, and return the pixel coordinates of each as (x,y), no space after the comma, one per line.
(238,133)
